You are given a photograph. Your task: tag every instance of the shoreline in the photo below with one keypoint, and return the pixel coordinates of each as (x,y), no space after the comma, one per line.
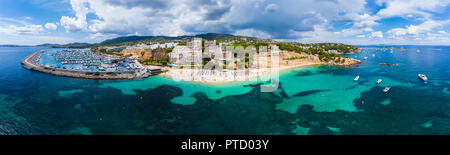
(187,75)
(244,78)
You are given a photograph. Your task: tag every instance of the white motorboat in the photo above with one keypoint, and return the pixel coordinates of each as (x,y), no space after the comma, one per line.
(385,90)
(356,78)
(423,77)
(379,81)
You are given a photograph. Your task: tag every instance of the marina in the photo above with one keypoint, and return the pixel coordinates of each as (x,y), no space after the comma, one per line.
(83,63)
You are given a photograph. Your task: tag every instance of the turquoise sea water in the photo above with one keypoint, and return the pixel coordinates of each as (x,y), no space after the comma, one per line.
(310,100)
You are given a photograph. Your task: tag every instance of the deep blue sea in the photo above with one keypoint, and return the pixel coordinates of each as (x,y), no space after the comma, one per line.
(311,100)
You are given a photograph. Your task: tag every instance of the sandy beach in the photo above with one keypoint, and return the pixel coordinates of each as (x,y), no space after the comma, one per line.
(218,77)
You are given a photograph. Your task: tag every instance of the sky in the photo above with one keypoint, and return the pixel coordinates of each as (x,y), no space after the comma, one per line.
(357,22)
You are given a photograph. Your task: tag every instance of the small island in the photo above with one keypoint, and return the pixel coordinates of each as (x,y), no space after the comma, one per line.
(140,57)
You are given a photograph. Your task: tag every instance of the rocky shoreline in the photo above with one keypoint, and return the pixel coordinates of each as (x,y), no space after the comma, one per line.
(304,58)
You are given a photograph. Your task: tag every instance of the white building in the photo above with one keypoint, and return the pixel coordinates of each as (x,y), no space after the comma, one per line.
(195,44)
(186,55)
(154,46)
(218,52)
(210,43)
(333,51)
(142,46)
(165,45)
(192,53)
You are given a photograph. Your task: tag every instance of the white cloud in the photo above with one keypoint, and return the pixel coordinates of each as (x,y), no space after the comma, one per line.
(320,34)
(12,21)
(253,33)
(183,17)
(77,23)
(271,8)
(416,30)
(16,31)
(377,34)
(409,8)
(366,20)
(361,24)
(35,39)
(307,20)
(21,30)
(99,37)
(441,35)
(397,32)
(396,8)
(51,26)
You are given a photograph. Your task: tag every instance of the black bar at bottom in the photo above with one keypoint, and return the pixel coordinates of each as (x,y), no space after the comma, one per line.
(220,143)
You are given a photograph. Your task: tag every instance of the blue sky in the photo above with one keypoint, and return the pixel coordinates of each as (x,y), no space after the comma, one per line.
(358,22)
